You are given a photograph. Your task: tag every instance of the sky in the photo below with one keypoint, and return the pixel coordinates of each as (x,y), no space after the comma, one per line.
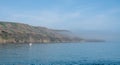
(75,15)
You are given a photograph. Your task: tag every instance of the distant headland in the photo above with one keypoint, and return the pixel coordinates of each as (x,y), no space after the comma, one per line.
(23,33)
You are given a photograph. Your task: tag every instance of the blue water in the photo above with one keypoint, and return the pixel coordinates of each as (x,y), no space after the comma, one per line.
(102,53)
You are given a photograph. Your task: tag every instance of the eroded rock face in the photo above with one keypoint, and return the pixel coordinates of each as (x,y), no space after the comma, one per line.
(23,33)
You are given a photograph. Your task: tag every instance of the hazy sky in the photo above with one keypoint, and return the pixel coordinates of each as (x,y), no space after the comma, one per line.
(101,15)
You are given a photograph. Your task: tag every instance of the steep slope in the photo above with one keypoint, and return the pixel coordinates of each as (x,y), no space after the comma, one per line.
(23,33)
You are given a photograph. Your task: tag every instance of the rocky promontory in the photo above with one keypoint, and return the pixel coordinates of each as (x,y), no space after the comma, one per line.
(23,33)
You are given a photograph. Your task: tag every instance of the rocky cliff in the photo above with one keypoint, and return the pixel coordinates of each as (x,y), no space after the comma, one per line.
(23,33)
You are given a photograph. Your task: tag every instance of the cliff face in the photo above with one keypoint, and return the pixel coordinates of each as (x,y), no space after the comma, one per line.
(23,33)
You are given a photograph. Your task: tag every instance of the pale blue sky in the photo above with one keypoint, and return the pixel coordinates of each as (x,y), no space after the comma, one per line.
(94,15)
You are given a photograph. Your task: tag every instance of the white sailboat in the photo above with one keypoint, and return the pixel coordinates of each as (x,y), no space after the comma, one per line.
(30,44)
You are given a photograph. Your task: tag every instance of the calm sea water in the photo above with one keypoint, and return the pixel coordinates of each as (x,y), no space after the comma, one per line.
(101,53)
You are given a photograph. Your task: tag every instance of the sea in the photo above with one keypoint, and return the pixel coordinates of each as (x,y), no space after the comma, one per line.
(83,53)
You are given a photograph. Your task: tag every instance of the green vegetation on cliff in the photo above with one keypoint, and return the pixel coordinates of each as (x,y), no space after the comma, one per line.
(23,33)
